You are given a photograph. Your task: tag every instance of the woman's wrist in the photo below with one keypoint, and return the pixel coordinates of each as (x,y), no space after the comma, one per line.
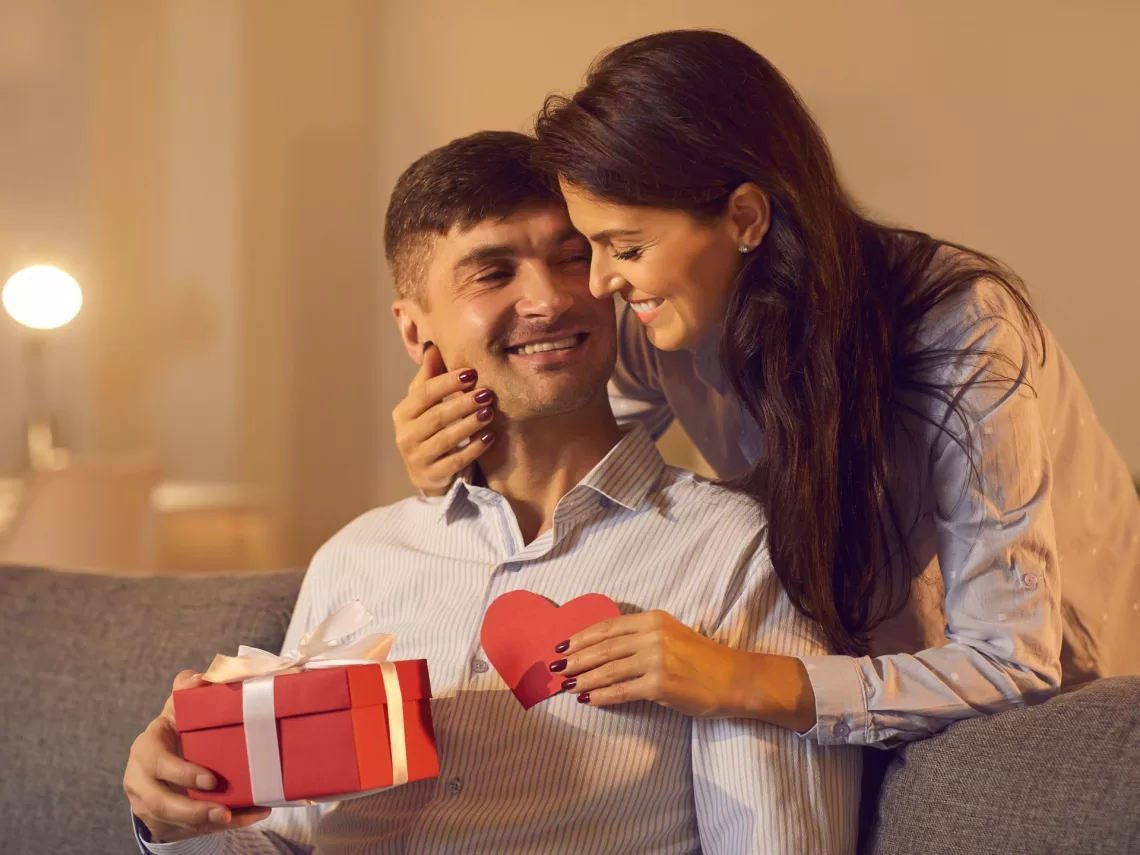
(772,688)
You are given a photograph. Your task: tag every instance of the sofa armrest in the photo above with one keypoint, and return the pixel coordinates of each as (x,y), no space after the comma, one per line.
(1063,776)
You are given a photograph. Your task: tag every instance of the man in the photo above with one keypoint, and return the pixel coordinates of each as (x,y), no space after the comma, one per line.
(563,503)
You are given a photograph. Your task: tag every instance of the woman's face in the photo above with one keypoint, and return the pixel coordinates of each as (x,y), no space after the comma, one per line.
(675,272)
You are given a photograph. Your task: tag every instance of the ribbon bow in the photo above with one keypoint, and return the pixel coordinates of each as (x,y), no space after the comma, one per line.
(321,647)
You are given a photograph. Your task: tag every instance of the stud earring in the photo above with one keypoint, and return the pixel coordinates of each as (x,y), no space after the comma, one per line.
(744,249)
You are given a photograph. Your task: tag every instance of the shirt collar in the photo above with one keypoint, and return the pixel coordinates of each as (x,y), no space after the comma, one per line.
(632,468)
(458,490)
(625,475)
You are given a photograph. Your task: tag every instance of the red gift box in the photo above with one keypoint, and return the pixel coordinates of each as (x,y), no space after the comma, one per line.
(332,732)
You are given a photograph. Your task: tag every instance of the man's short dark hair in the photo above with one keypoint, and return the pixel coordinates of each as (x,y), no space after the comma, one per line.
(488,174)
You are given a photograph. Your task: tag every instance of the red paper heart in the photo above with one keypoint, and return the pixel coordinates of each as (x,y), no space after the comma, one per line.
(520,630)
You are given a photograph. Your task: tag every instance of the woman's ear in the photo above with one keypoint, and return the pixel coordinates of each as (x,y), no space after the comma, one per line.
(412,328)
(748,215)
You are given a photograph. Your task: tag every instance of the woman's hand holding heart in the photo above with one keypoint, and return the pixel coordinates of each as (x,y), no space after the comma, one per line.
(654,657)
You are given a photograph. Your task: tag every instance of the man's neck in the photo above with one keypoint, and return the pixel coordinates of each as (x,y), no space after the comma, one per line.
(533,464)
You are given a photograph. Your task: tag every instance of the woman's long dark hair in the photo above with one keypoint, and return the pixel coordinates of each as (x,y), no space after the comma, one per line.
(824,314)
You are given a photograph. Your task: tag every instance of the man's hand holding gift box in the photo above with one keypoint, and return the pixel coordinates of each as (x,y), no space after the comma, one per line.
(322,723)
(158,777)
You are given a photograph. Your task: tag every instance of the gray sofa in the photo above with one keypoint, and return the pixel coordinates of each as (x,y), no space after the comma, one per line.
(86,661)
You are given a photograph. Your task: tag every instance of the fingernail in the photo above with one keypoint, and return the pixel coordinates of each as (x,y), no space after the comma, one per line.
(484,397)
(568,685)
(428,345)
(562,647)
(205,782)
(559,665)
(584,699)
(488,437)
(485,414)
(468,376)
(218,816)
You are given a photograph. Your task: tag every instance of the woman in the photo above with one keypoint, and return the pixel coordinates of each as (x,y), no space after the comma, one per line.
(925,459)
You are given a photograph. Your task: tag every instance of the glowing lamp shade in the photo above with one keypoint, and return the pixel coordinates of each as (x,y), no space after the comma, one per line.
(42,297)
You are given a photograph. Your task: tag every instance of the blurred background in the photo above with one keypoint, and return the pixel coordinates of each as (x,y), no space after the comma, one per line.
(214,175)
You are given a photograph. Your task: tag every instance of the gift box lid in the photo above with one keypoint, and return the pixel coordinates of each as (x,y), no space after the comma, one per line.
(304,693)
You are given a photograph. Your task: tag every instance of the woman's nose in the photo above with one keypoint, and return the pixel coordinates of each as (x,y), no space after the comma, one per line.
(604,281)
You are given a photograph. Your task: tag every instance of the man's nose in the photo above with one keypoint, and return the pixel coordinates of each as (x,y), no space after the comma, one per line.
(604,280)
(545,295)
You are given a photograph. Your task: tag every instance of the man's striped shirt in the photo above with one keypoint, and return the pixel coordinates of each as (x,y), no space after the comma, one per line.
(566,777)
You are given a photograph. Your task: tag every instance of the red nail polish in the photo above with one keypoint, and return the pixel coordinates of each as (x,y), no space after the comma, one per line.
(568,685)
(468,376)
(584,699)
(559,665)
(485,414)
(488,437)
(562,647)
(484,397)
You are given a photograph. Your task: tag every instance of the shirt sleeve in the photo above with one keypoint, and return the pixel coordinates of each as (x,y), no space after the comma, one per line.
(990,478)
(286,831)
(635,392)
(759,788)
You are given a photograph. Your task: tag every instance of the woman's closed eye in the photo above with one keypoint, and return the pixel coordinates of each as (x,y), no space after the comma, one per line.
(631,254)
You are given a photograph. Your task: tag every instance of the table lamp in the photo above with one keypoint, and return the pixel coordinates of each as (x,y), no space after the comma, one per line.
(42,298)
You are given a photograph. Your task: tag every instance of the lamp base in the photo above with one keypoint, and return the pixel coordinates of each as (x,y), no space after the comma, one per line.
(43,456)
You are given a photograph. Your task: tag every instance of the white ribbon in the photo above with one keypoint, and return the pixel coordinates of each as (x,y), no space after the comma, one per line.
(319,648)
(260,722)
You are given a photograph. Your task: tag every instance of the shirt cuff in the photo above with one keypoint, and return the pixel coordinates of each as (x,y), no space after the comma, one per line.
(841,716)
(194,846)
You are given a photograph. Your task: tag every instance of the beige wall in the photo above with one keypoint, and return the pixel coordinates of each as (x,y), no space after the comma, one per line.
(215,174)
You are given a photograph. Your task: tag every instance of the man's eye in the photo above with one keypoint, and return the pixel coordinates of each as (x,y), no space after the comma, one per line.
(631,254)
(496,276)
(580,258)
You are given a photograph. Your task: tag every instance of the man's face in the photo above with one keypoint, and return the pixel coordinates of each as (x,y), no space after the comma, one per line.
(511,299)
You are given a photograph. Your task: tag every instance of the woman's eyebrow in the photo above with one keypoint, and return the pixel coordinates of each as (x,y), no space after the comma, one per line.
(610,234)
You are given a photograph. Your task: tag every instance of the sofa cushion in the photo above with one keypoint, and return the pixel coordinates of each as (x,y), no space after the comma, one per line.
(87,662)
(1060,777)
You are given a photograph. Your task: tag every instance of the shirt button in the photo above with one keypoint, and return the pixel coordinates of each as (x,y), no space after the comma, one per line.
(604,503)
(841,730)
(479,666)
(1030,580)
(455,785)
